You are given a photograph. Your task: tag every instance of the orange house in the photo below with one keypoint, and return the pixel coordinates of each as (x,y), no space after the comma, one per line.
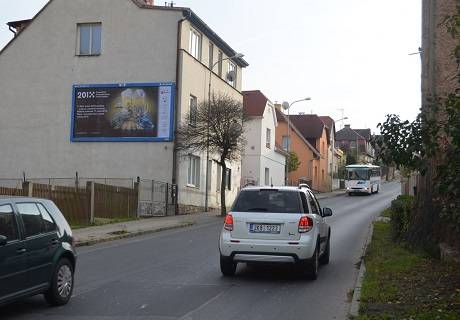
(316,133)
(307,154)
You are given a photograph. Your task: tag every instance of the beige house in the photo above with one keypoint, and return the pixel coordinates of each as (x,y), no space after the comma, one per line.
(70,45)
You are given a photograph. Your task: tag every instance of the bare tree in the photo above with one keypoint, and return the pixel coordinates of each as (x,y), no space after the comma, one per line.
(219,126)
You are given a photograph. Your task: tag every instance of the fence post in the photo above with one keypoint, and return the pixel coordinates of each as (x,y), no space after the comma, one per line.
(27,186)
(136,195)
(166,199)
(90,193)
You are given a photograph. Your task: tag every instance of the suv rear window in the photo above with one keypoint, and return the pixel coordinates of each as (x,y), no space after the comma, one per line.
(269,200)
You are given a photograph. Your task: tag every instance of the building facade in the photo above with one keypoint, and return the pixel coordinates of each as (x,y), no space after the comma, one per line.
(130,42)
(263,163)
(307,154)
(356,143)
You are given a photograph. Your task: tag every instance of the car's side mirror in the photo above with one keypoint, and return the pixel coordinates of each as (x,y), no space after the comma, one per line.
(3,240)
(327,212)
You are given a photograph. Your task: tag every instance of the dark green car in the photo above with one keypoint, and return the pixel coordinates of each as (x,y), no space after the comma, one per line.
(37,253)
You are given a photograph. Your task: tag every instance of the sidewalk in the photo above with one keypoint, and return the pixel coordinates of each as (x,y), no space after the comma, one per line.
(109,232)
(335,193)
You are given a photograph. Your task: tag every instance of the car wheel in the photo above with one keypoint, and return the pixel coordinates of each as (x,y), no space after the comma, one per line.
(311,270)
(227,266)
(377,191)
(62,283)
(350,194)
(324,259)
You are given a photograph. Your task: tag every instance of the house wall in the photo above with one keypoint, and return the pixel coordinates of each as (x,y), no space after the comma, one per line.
(305,154)
(323,180)
(194,80)
(38,69)
(257,156)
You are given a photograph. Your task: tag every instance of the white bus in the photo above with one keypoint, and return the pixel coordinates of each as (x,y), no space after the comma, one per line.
(362,178)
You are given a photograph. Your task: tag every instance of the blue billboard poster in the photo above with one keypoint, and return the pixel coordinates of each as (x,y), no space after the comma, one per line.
(123,112)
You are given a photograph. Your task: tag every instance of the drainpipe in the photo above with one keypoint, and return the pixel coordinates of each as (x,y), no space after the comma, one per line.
(12,30)
(178,91)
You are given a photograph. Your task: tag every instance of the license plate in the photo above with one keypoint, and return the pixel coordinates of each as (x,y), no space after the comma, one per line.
(264,228)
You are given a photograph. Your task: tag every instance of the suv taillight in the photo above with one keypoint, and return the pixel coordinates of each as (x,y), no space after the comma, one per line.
(305,224)
(228,224)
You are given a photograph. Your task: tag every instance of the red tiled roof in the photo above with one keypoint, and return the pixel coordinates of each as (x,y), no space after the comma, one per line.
(310,125)
(254,103)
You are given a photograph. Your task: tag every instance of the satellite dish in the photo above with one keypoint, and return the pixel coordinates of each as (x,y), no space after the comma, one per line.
(285,105)
(231,76)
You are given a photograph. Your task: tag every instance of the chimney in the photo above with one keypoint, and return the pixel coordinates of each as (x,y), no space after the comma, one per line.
(148,2)
(347,126)
(277,106)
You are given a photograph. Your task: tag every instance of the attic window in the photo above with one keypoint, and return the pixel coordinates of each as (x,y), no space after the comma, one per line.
(89,39)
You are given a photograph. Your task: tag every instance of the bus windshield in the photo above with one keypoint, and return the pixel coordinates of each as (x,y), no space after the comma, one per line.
(358,174)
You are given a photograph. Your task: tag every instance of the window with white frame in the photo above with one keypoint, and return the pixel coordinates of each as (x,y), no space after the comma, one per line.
(286,145)
(89,39)
(193,106)
(268,138)
(211,55)
(231,74)
(219,177)
(220,57)
(267,176)
(193,178)
(195,44)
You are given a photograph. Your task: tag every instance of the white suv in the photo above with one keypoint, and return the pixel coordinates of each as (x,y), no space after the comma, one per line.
(275,225)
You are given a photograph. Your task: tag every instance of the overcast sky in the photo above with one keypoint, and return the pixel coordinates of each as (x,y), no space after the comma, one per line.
(351,54)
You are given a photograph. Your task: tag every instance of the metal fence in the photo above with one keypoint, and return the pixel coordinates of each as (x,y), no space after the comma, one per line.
(157,198)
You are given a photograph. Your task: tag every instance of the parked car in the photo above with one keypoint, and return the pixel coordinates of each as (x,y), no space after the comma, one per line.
(37,253)
(276,225)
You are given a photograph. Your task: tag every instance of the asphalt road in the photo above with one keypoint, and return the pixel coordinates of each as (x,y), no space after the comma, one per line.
(175,275)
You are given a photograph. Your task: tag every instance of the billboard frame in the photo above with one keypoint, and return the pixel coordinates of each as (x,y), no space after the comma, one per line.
(170,138)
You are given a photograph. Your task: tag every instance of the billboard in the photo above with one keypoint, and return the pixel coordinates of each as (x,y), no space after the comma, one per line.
(123,112)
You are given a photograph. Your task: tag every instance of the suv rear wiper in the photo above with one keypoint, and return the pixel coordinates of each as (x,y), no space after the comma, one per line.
(257,209)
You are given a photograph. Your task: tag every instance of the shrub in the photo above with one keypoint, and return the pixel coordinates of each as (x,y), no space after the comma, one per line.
(401,209)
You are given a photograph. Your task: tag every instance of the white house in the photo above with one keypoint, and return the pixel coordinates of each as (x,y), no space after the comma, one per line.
(263,162)
(98,87)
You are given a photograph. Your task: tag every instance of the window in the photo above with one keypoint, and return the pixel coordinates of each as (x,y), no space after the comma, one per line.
(303,197)
(352,144)
(219,177)
(194,171)
(192,110)
(31,218)
(231,79)
(268,200)
(89,39)
(220,57)
(195,44)
(228,179)
(209,173)
(48,222)
(285,143)
(8,226)
(267,176)
(268,138)
(313,204)
(211,55)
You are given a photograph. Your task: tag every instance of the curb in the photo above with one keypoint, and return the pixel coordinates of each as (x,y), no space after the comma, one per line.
(131,234)
(318,196)
(354,308)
